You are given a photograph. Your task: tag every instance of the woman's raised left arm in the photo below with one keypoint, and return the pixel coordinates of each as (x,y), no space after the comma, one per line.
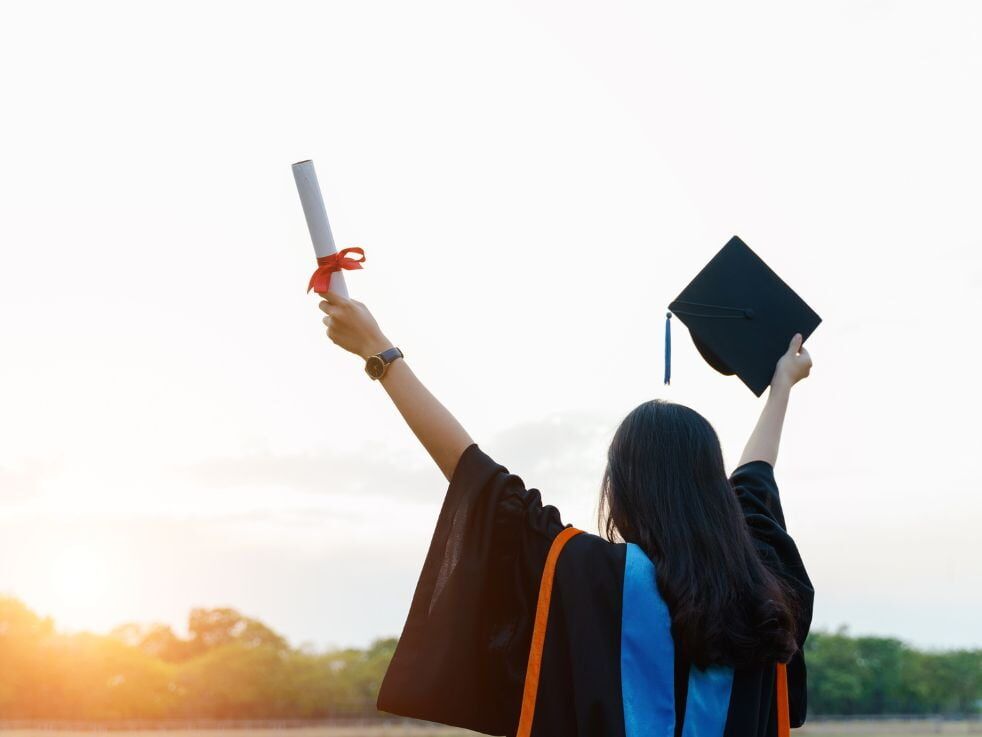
(351,326)
(765,440)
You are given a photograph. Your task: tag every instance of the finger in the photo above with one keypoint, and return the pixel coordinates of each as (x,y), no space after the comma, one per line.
(795,344)
(805,354)
(334,298)
(328,308)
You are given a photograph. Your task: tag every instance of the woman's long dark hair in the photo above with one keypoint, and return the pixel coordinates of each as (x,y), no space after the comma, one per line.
(665,489)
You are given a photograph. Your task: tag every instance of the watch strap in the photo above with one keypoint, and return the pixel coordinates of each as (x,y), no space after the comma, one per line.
(390,355)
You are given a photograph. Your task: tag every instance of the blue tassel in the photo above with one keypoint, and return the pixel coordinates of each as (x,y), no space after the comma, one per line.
(668,348)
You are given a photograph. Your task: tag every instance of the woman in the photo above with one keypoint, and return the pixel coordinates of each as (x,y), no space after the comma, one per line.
(687,620)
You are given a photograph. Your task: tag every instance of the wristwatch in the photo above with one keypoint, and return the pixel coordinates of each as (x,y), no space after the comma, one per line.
(376,365)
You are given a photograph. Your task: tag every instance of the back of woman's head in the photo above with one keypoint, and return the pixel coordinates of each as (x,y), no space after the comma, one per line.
(666,490)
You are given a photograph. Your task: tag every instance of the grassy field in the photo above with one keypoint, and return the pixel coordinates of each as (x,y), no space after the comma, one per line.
(825,729)
(888,729)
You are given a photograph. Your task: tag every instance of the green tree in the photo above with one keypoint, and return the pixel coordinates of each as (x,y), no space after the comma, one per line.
(211,628)
(233,666)
(156,640)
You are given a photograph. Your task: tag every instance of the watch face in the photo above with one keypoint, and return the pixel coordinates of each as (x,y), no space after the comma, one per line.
(375,367)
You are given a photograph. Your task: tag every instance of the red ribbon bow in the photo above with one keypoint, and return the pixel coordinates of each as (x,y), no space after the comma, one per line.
(320,281)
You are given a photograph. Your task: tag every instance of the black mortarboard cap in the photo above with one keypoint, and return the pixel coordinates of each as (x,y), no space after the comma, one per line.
(741,316)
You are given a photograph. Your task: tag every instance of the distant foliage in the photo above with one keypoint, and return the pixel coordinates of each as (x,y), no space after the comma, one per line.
(231,666)
(882,675)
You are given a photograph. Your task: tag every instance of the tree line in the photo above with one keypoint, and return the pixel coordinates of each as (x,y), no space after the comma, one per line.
(230,666)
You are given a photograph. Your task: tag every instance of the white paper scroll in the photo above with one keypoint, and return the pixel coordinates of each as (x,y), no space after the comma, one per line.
(317,223)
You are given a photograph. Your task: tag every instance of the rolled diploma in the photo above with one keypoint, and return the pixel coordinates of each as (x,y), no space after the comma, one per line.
(317,223)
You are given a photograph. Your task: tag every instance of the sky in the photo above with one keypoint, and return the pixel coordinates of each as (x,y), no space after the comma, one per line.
(532,183)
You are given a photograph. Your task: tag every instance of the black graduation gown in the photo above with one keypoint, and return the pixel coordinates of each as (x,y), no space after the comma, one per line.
(608,666)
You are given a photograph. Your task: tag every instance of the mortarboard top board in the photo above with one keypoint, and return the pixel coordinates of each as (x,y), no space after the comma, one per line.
(741,316)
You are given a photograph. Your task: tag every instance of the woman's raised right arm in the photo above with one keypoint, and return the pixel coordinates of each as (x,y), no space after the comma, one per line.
(351,325)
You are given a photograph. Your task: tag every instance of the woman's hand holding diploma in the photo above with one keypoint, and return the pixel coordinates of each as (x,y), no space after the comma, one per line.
(765,440)
(351,325)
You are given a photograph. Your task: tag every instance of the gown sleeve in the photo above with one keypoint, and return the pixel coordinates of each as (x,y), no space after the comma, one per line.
(757,492)
(463,652)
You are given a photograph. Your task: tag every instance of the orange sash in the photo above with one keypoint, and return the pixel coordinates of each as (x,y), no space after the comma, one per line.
(783,712)
(539,632)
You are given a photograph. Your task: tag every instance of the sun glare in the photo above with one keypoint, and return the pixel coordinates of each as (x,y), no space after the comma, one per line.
(79,581)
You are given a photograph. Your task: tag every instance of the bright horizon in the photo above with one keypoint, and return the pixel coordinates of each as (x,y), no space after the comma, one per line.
(532,184)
